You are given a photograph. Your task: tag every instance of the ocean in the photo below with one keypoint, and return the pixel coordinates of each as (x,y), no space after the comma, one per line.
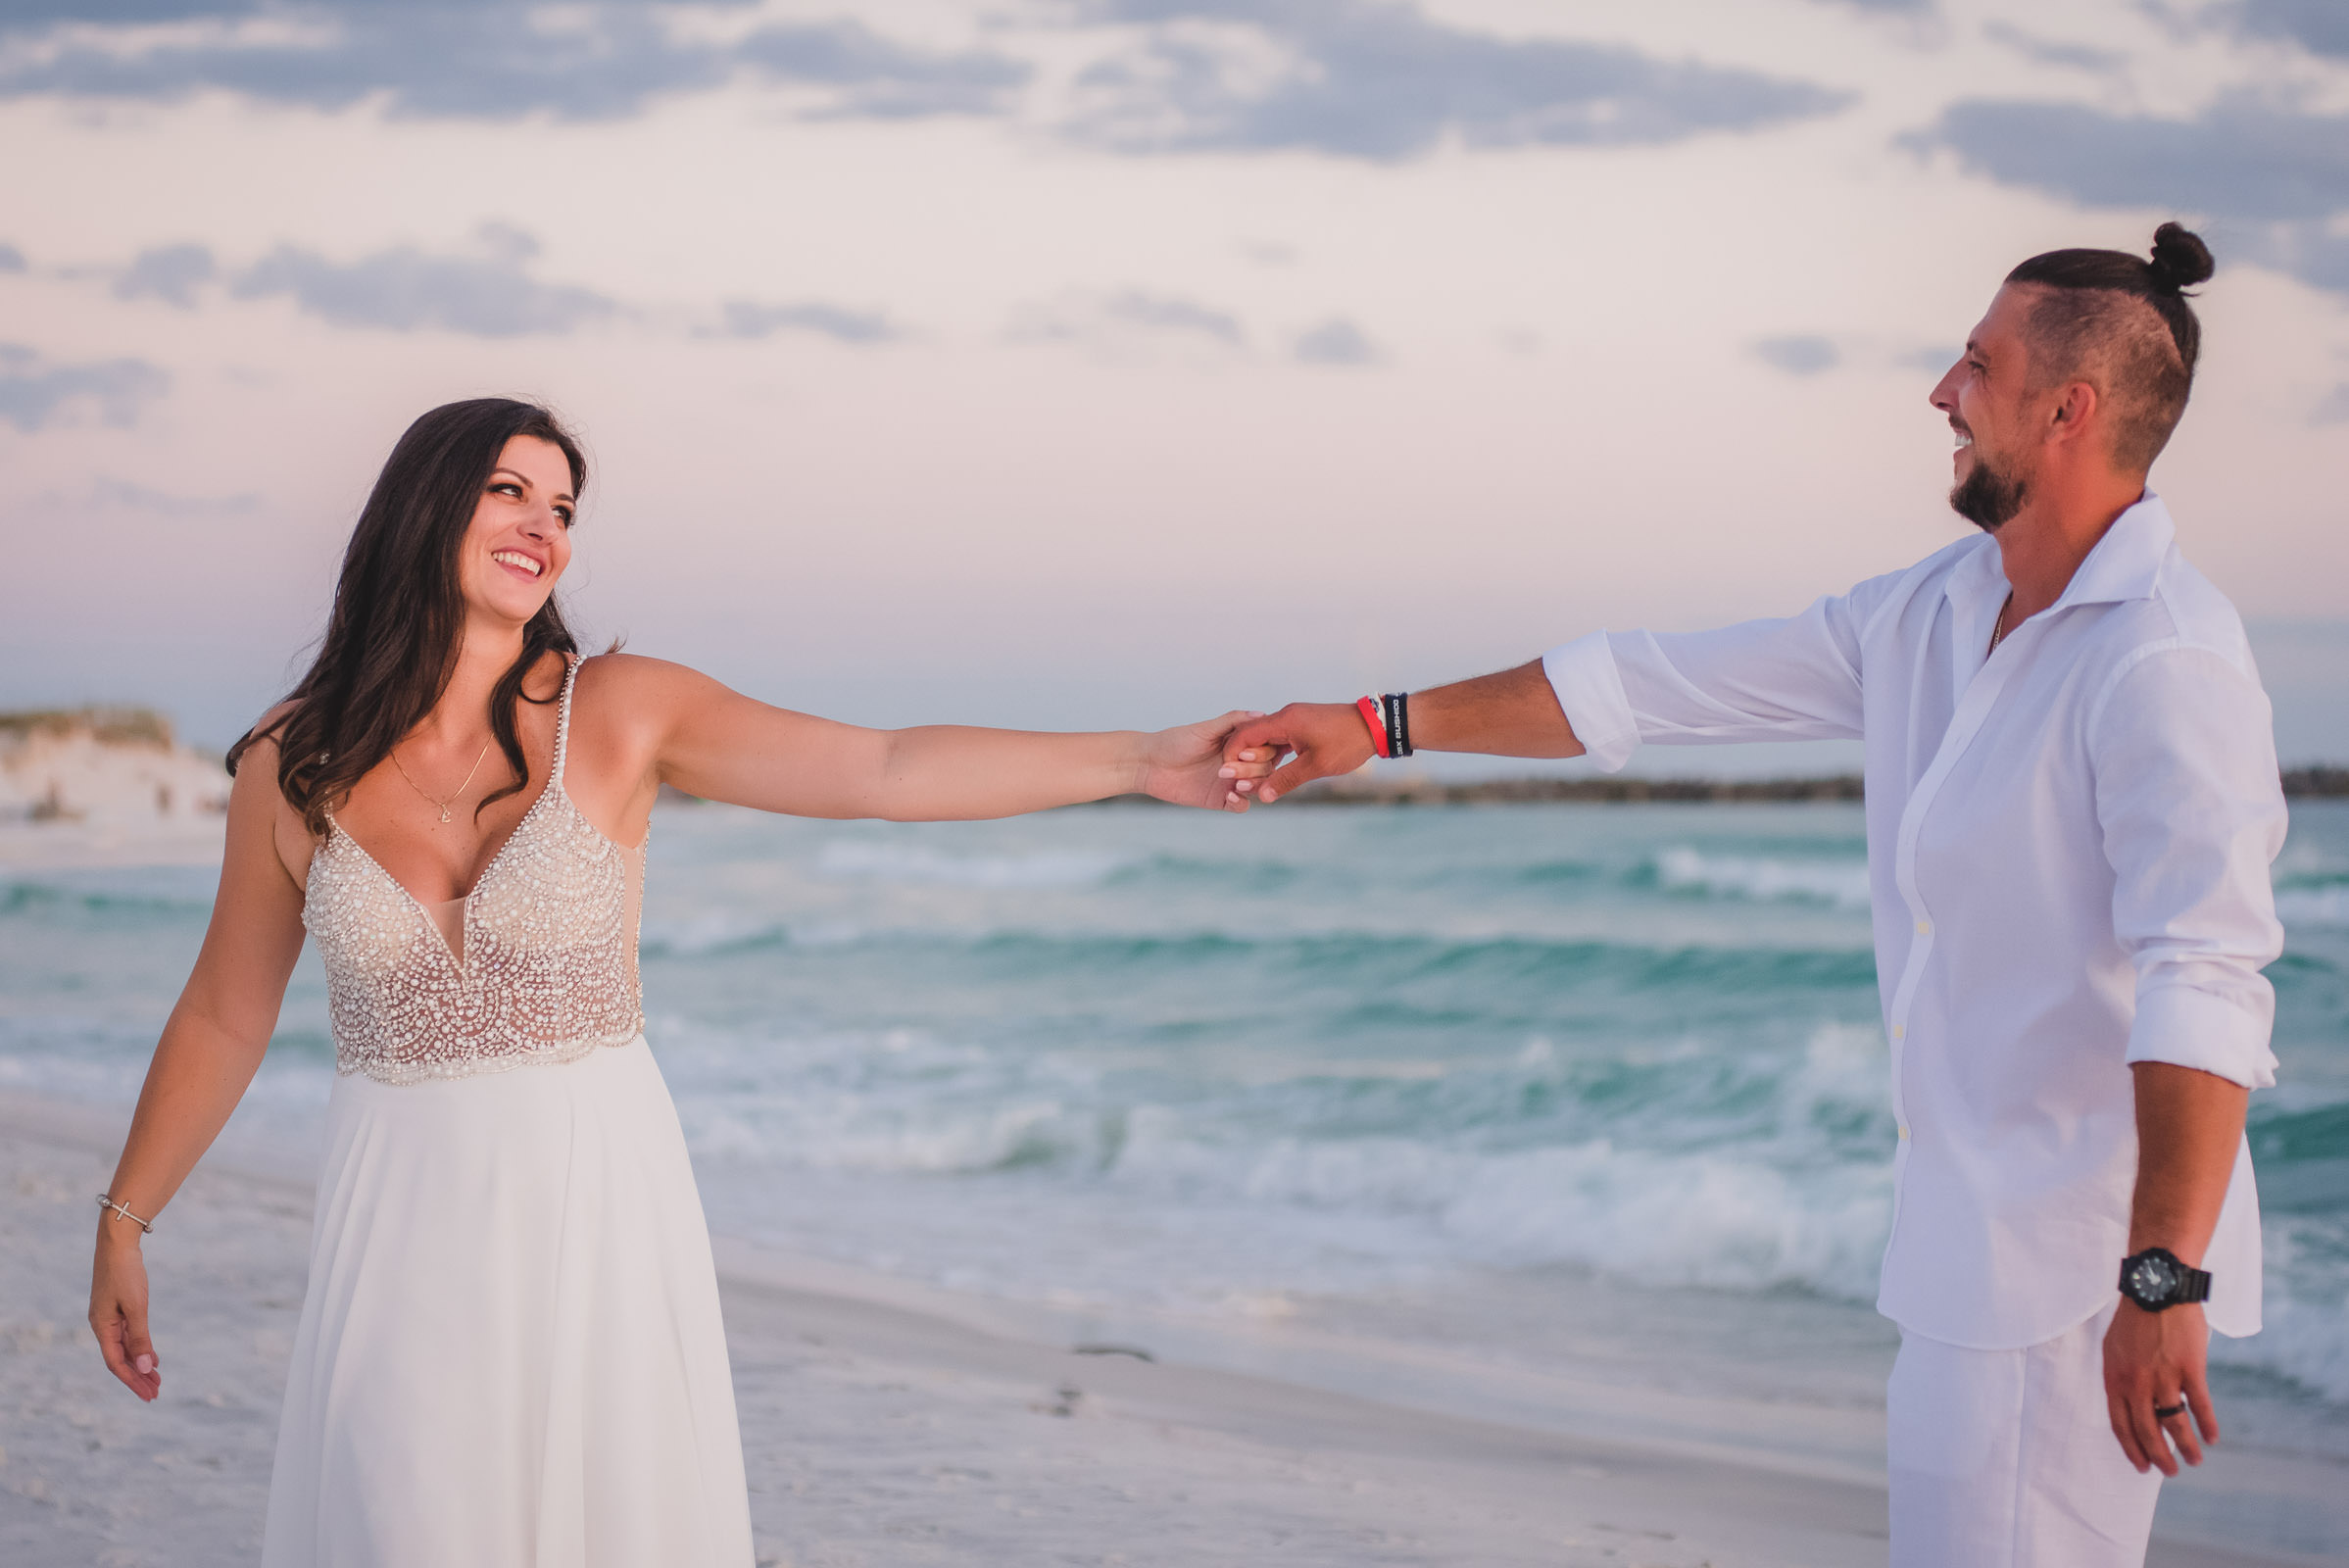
(1125,1059)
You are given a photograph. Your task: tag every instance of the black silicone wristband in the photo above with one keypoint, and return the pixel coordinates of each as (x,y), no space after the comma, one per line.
(1393,706)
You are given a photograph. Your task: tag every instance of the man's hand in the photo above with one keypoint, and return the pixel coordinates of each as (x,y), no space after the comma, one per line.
(1324,739)
(1186,766)
(2155,1359)
(1512,714)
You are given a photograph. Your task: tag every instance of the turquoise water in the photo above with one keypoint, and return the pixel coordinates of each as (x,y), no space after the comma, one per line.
(1125,1054)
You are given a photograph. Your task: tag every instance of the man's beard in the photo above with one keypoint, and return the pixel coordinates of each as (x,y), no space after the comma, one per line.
(1987,497)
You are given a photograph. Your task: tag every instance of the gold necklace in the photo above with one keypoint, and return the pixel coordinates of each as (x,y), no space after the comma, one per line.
(454,793)
(1998,627)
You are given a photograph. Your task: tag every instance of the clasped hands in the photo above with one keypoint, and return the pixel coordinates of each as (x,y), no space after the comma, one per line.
(1318,740)
(1233,762)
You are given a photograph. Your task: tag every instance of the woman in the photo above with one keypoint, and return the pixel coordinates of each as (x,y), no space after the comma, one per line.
(511,1349)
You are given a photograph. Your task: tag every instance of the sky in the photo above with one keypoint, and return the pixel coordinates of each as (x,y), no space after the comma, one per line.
(1077,362)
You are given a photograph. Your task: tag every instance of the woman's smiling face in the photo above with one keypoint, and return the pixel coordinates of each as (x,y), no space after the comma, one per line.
(520,537)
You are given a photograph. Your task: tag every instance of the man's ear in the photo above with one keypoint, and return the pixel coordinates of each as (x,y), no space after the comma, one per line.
(2076,408)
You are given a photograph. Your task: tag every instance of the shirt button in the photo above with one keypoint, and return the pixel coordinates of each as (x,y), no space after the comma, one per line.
(1904,1132)
(1925,928)
(1900,1031)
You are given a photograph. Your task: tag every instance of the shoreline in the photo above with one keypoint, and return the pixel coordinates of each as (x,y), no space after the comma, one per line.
(887,1421)
(2316,782)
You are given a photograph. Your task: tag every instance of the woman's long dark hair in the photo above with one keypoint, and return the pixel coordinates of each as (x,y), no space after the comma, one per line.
(399,610)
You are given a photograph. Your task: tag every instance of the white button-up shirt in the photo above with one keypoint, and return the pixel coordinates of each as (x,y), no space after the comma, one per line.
(2068,854)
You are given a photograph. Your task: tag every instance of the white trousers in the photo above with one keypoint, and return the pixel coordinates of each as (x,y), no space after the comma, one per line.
(2007,1458)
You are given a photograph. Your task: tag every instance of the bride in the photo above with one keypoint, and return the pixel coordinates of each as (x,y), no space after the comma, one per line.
(510,1350)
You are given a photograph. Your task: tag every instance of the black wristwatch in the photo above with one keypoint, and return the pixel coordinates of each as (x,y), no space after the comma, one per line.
(2155,1279)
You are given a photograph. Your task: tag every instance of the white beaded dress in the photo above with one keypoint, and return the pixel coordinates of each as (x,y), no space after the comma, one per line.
(510,1354)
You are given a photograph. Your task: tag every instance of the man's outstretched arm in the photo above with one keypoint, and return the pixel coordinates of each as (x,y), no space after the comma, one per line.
(1512,714)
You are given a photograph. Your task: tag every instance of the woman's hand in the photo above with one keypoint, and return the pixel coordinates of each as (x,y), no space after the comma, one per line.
(118,1309)
(1186,767)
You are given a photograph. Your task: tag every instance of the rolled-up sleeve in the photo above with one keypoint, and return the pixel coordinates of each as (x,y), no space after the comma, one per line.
(2193,815)
(1793,679)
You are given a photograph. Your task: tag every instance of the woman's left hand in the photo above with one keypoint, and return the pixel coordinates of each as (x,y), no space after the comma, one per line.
(1185,765)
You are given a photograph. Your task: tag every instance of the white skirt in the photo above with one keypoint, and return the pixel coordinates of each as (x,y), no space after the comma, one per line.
(511,1353)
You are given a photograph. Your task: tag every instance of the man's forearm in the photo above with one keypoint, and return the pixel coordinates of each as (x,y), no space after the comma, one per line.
(1512,714)
(2189,1126)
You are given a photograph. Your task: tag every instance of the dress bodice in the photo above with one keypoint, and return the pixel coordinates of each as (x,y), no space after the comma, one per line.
(547,967)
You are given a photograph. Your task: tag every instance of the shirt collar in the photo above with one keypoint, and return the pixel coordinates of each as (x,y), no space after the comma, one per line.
(2126,563)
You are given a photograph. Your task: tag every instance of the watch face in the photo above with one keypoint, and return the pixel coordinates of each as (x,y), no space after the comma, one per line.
(2151,1278)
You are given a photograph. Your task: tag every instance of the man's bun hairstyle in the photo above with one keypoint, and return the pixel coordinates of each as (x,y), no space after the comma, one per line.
(2091,324)
(2180,259)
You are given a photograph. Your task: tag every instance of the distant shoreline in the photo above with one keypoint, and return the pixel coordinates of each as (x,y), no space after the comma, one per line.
(2299,783)
(2321,782)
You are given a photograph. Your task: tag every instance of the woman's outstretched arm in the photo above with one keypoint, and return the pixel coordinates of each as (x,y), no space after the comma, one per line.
(207,1056)
(708,740)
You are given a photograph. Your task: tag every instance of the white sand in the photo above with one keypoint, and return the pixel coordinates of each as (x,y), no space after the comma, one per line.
(884,1425)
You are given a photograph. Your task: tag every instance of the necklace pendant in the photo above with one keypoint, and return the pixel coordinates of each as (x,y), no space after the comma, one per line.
(444,814)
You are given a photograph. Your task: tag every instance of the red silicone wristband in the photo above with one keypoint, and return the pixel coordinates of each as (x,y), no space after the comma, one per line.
(1368,708)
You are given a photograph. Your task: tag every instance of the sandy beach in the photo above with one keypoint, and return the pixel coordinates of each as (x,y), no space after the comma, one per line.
(885,1423)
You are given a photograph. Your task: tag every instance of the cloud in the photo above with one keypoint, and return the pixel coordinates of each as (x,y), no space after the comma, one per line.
(2320,27)
(123,493)
(1336,341)
(1375,80)
(749,319)
(406,290)
(881,79)
(12,260)
(168,272)
(2313,252)
(2052,51)
(1163,314)
(2236,160)
(1802,353)
(34,13)
(34,395)
(507,242)
(2333,408)
(476,59)
(1931,360)
(1126,316)
(2276,176)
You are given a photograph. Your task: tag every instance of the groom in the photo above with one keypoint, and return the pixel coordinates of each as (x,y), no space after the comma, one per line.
(2072,805)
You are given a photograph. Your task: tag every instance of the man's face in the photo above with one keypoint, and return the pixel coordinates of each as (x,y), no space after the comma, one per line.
(1986,396)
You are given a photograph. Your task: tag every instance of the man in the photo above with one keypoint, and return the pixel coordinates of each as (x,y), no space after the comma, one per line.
(2071,806)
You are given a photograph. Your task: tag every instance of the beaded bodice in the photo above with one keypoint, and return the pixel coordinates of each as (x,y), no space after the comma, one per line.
(547,967)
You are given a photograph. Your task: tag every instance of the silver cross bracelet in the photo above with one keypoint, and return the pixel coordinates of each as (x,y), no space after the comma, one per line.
(107,1200)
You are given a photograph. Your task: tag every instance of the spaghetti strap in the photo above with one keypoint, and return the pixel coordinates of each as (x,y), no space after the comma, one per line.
(563,720)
